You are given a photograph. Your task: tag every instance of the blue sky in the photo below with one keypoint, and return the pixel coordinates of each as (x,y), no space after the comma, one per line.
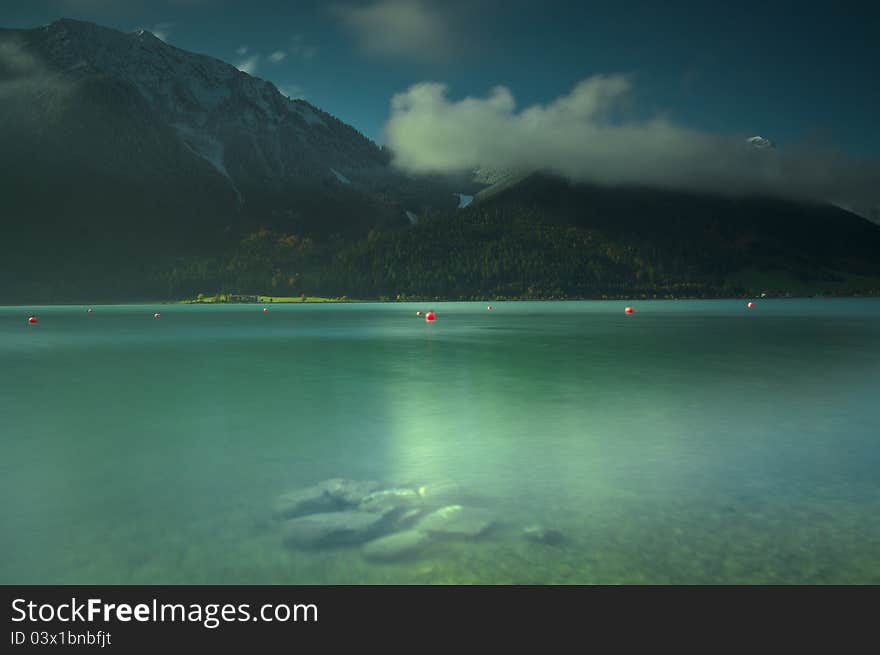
(798,75)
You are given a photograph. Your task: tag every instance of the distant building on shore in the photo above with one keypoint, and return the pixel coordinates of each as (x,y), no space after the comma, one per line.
(240,297)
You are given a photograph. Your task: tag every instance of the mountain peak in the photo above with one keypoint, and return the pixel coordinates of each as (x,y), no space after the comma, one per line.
(72,22)
(75,25)
(142,33)
(760,142)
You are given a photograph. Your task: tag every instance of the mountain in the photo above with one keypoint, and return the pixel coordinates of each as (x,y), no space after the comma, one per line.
(123,154)
(538,236)
(131,169)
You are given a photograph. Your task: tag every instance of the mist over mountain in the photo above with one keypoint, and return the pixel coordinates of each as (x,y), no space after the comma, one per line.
(591,135)
(132,169)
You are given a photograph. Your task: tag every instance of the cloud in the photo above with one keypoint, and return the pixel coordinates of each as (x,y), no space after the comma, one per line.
(16,61)
(403,28)
(297,49)
(161,30)
(249,65)
(21,71)
(587,137)
(292,91)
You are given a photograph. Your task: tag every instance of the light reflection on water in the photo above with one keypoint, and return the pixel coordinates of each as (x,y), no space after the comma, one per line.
(695,441)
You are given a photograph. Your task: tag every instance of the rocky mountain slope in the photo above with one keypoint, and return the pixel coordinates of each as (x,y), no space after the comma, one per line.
(122,153)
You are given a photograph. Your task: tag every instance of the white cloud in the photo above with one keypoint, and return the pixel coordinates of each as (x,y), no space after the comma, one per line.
(249,65)
(292,91)
(403,27)
(277,56)
(162,30)
(582,136)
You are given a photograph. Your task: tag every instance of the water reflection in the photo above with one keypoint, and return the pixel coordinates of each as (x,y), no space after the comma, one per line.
(688,443)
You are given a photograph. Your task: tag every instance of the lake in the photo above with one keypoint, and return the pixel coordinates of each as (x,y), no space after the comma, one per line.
(694,441)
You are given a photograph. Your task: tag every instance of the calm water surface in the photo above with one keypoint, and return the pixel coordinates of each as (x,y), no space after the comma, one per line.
(693,442)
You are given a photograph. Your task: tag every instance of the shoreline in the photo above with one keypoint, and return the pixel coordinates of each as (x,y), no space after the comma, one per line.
(350,301)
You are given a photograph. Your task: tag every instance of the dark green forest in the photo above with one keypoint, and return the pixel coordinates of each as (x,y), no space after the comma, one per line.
(513,250)
(540,238)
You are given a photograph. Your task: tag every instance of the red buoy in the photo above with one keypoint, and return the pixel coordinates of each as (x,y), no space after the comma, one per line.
(629,310)
(430,316)
(419,313)
(489,308)
(33,320)
(751,304)
(265,309)
(157,315)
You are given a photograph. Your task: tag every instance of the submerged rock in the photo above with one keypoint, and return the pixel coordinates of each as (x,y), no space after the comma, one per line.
(542,535)
(441,493)
(399,545)
(350,492)
(385,499)
(334,529)
(404,519)
(304,501)
(396,520)
(457,521)
(332,495)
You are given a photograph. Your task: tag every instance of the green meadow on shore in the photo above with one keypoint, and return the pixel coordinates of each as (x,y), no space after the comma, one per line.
(223,298)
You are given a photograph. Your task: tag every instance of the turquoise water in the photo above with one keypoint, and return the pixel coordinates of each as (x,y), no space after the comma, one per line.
(692,442)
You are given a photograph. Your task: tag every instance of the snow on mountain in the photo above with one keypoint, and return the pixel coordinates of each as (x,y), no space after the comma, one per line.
(188,86)
(759,142)
(208,148)
(463,200)
(340,176)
